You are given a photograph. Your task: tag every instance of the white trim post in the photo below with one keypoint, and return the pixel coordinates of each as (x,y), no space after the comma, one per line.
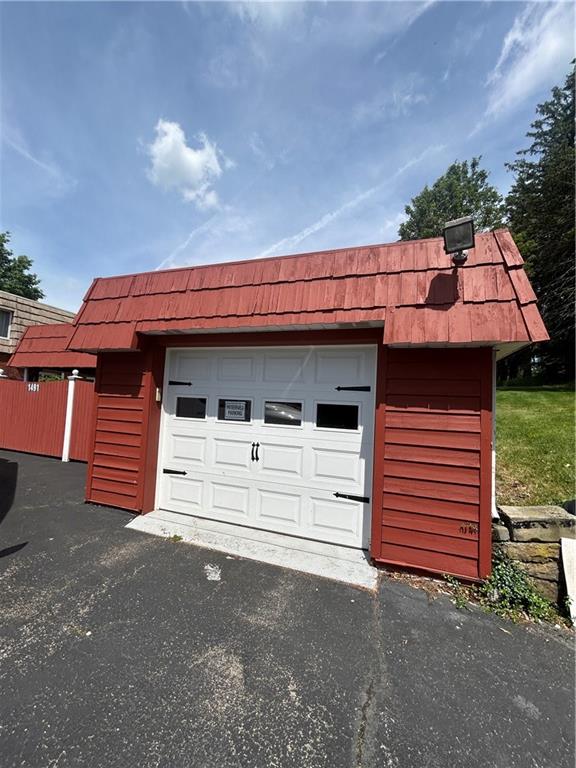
(69,411)
(495,514)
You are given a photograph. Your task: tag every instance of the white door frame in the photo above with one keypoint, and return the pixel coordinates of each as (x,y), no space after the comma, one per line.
(366,444)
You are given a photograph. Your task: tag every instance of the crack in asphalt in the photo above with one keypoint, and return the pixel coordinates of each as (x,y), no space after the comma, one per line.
(363,722)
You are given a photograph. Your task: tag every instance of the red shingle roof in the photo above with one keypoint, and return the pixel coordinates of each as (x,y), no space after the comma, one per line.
(46,346)
(411,287)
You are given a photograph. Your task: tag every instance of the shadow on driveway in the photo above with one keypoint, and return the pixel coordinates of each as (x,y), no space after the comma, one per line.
(8,483)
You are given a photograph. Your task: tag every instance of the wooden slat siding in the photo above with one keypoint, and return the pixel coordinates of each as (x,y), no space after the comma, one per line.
(433,404)
(436,461)
(33,421)
(441,526)
(448,422)
(436,438)
(422,471)
(487,413)
(156,356)
(433,455)
(437,507)
(432,386)
(118,439)
(426,560)
(82,437)
(379,447)
(434,489)
(115,473)
(430,542)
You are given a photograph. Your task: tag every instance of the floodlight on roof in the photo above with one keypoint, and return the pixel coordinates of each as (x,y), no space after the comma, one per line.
(458,238)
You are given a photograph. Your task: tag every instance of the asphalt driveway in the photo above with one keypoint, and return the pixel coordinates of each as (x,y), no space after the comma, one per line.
(117,649)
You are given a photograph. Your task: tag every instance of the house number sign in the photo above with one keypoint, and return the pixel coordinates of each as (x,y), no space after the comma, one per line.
(33,386)
(235,410)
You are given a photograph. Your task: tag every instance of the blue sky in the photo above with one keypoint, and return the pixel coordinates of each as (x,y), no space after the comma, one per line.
(138,135)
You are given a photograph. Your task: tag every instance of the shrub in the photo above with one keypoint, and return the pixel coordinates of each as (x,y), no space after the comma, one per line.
(509,592)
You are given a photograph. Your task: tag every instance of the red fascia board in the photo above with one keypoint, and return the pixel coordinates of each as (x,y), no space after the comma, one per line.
(52,360)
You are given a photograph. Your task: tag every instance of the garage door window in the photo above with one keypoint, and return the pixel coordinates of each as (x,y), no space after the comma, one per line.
(336,416)
(191,407)
(282,413)
(234,410)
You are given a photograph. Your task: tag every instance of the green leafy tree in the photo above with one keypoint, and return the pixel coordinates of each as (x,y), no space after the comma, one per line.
(462,191)
(15,275)
(540,208)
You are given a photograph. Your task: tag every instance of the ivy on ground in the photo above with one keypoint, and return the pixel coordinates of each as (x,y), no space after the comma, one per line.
(507,592)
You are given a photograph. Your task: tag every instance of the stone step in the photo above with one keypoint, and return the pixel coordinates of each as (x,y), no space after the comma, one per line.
(538,524)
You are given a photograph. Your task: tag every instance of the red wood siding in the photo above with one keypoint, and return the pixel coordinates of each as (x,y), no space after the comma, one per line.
(32,420)
(124,431)
(114,472)
(432,490)
(82,417)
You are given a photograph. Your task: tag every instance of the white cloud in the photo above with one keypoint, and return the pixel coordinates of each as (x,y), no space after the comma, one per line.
(268,14)
(212,232)
(288,243)
(409,13)
(389,230)
(61,181)
(175,165)
(398,101)
(536,53)
(257,146)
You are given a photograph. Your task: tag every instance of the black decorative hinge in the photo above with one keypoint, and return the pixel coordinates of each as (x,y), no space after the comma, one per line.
(174,472)
(352,389)
(363,499)
(180,383)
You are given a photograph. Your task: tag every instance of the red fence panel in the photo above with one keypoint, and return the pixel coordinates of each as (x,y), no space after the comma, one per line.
(32,416)
(81,438)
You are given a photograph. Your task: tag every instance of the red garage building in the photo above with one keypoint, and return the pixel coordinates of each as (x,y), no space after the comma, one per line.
(343,396)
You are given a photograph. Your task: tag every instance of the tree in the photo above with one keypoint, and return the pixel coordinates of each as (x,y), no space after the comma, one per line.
(540,208)
(15,275)
(462,191)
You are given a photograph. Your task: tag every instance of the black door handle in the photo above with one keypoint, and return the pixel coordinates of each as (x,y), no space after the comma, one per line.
(252,454)
(257,446)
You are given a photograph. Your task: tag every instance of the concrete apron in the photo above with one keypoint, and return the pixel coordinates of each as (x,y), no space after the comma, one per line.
(330,561)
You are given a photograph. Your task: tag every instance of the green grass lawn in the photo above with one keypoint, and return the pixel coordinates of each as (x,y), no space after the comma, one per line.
(534,446)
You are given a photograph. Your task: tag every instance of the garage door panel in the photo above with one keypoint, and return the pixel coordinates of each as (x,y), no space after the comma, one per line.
(336,465)
(237,369)
(188,448)
(336,520)
(275,509)
(185,364)
(287,369)
(230,498)
(186,491)
(280,458)
(334,367)
(232,454)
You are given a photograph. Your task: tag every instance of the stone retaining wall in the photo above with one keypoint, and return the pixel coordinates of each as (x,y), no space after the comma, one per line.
(531,537)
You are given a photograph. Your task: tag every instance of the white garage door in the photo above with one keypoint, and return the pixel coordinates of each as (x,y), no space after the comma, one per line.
(274,438)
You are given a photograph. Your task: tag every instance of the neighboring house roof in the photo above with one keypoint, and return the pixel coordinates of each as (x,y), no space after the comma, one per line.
(45,346)
(410,287)
(27,312)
